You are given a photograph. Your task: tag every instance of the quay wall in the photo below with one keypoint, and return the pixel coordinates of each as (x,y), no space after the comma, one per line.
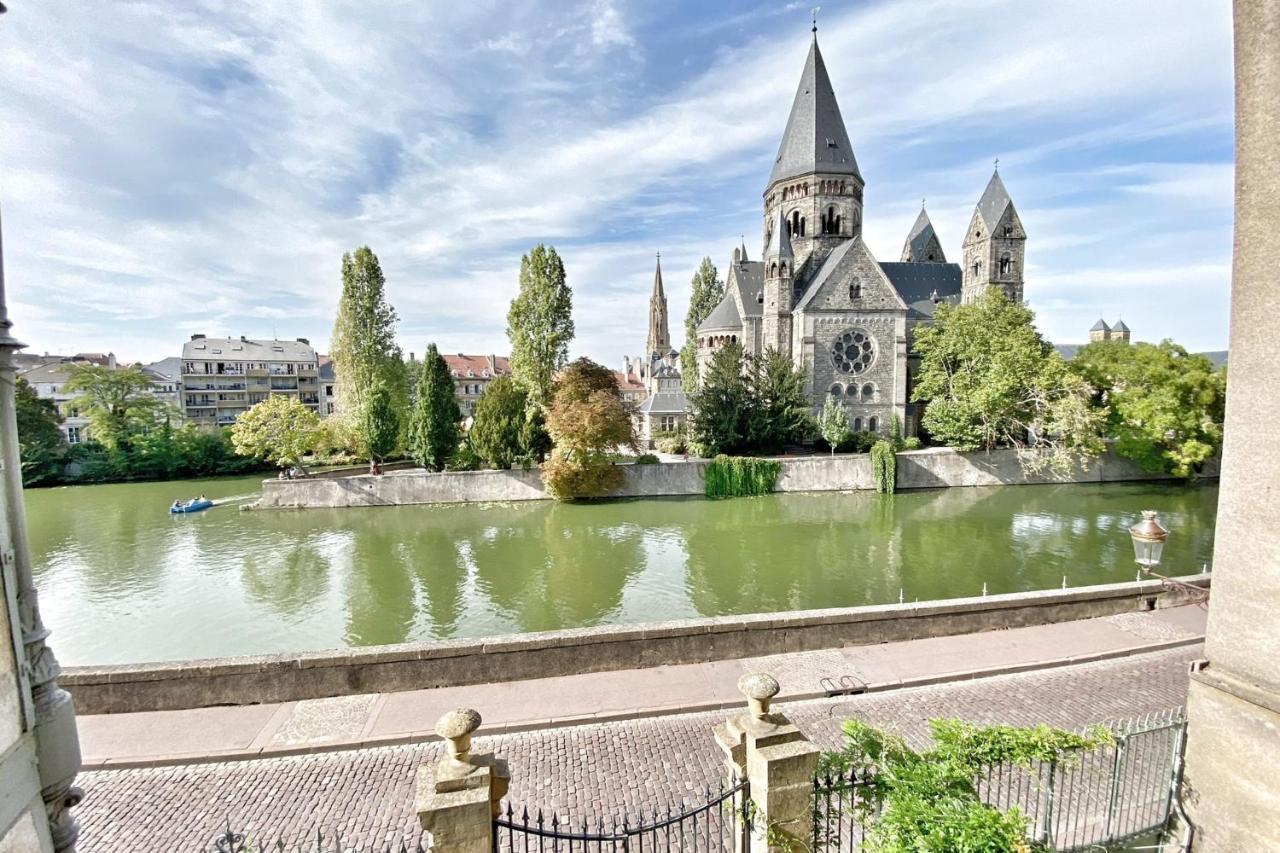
(414,666)
(920,469)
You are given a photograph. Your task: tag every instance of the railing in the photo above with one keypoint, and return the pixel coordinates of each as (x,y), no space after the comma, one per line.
(1104,796)
(721,822)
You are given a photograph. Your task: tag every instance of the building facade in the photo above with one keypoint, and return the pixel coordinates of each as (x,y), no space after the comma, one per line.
(472,375)
(819,295)
(222,378)
(664,408)
(48,376)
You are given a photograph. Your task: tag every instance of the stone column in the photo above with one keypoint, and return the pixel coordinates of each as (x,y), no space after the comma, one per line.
(1230,789)
(778,761)
(458,799)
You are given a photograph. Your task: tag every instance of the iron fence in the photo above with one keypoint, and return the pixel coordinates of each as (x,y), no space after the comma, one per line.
(1103,796)
(720,821)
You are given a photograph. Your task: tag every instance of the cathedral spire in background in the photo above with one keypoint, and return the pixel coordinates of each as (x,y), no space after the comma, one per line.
(659,332)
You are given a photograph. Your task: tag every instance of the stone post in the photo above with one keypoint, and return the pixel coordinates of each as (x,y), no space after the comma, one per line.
(458,799)
(778,761)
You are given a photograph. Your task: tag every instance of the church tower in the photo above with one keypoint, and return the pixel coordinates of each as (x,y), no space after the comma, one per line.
(922,245)
(779,270)
(815,185)
(994,246)
(659,343)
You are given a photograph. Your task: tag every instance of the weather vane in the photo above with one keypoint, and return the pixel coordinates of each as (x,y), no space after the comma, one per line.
(816,10)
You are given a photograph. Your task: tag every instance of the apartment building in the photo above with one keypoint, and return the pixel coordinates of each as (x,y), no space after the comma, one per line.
(471,375)
(223,377)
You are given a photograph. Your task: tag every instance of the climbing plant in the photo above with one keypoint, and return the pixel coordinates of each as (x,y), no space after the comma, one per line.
(884,466)
(738,476)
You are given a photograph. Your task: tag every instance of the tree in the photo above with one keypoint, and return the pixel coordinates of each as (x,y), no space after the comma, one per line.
(1164,406)
(720,404)
(41,444)
(833,423)
(588,422)
(380,425)
(779,410)
(118,402)
(540,323)
(706,292)
(279,430)
(991,380)
(433,422)
(363,346)
(498,422)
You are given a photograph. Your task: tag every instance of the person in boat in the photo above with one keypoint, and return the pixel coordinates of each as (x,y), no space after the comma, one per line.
(177,504)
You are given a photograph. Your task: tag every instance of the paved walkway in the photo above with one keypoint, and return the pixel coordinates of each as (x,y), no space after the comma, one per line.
(368,720)
(591,769)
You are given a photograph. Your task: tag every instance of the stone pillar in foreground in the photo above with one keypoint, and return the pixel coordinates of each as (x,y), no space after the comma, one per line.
(458,799)
(779,762)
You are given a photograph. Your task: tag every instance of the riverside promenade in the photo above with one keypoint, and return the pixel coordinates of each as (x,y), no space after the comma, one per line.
(610,742)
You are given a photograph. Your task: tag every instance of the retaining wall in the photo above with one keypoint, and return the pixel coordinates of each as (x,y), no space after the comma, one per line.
(921,469)
(380,669)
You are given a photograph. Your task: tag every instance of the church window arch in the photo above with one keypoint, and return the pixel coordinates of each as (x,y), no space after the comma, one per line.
(1006,264)
(773,271)
(977,269)
(852,390)
(801,226)
(782,271)
(795,223)
(836,389)
(857,424)
(868,391)
(872,424)
(733,339)
(1008,231)
(855,291)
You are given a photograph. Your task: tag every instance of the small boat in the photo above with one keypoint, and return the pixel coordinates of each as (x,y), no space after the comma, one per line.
(190,506)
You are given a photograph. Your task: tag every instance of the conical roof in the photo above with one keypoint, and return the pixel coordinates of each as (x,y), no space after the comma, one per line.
(1119,326)
(657,281)
(994,201)
(780,238)
(917,245)
(1100,326)
(815,139)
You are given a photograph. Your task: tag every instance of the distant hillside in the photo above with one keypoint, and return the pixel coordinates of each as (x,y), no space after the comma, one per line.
(1068,352)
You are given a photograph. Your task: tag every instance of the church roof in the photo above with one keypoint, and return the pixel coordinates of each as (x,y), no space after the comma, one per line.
(920,285)
(1100,326)
(824,272)
(779,238)
(665,402)
(657,281)
(994,201)
(1119,326)
(815,139)
(723,316)
(748,281)
(919,235)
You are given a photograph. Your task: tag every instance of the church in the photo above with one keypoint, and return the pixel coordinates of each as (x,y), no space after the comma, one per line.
(819,294)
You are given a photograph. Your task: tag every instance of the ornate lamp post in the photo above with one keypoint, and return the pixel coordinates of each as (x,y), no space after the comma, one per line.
(1149,536)
(47,709)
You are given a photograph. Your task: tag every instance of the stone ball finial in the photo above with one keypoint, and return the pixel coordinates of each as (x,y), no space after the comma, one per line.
(759,688)
(456,727)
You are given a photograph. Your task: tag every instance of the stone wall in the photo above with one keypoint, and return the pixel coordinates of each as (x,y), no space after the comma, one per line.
(416,666)
(920,469)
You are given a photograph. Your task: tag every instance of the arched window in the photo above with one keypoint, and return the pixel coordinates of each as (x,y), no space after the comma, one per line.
(1006,265)
(853,391)
(801,226)
(782,271)
(855,291)
(872,424)
(795,223)
(868,391)
(977,269)
(836,390)
(1008,231)
(857,424)
(773,271)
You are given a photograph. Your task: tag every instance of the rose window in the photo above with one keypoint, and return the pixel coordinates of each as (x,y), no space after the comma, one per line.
(853,352)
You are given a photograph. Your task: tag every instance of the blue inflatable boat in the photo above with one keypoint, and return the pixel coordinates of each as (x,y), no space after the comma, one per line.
(191,506)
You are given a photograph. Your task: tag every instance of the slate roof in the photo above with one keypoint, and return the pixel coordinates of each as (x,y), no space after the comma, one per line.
(1119,326)
(779,238)
(749,281)
(723,316)
(815,139)
(919,236)
(168,368)
(665,403)
(248,349)
(54,371)
(824,272)
(326,371)
(995,198)
(920,284)
(1100,326)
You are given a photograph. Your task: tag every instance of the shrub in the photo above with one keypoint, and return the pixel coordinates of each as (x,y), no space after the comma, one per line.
(464,458)
(911,443)
(647,459)
(884,466)
(858,442)
(737,476)
(580,476)
(670,442)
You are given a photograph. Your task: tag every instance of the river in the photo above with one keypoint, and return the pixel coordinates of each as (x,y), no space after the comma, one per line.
(122,581)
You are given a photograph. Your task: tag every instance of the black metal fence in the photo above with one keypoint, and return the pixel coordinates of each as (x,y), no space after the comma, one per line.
(1104,796)
(720,820)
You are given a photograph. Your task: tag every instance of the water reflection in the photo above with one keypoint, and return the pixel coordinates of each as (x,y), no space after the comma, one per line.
(121,580)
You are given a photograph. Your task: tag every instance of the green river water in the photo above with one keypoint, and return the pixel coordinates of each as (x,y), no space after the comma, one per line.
(121,580)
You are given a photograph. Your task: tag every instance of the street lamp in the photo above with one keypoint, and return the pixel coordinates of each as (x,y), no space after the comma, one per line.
(1148,540)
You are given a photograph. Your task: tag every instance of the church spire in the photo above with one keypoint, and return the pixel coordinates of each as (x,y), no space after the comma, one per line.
(779,245)
(815,139)
(659,342)
(922,244)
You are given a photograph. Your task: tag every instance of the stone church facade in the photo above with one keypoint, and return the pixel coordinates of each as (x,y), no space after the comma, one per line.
(819,294)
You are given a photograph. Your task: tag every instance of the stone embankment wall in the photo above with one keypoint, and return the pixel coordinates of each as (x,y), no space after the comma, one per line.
(382,669)
(920,469)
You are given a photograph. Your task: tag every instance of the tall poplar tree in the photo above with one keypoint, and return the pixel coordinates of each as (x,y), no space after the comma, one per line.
(707,291)
(363,346)
(540,323)
(433,421)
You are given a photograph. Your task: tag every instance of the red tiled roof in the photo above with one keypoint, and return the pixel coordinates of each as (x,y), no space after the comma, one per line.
(627,381)
(478,365)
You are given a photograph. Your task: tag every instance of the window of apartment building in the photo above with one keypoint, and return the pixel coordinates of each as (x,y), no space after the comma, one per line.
(73,435)
(667,422)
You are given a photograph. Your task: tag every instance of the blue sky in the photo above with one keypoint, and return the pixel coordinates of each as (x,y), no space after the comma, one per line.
(169,168)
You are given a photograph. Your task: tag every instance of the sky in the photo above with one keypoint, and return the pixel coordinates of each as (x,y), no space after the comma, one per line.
(168,168)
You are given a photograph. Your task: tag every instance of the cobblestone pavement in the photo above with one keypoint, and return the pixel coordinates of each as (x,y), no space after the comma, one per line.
(609,768)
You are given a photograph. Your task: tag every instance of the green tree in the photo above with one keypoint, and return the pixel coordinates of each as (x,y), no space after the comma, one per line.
(720,404)
(1164,406)
(380,425)
(434,420)
(588,422)
(363,346)
(118,402)
(540,323)
(41,444)
(779,409)
(498,422)
(991,380)
(280,430)
(833,423)
(706,292)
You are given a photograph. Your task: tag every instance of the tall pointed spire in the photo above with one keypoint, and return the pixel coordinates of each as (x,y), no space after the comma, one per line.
(815,139)
(995,198)
(922,244)
(657,280)
(659,343)
(779,245)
